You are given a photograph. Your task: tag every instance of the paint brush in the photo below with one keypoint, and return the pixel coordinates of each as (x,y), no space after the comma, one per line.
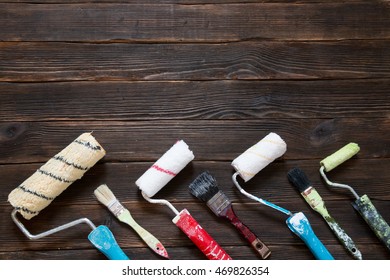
(205,188)
(363,203)
(105,196)
(299,180)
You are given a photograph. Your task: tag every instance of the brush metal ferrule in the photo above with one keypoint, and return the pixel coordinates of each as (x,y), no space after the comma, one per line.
(116,208)
(315,201)
(218,203)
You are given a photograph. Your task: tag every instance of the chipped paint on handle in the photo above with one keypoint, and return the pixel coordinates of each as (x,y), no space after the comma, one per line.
(146,236)
(373,218)
(199,236)
(299,224)
(316,202)
(103,239)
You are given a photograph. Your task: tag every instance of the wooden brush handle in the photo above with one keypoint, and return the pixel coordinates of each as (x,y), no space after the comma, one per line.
(199,236)
(255,242)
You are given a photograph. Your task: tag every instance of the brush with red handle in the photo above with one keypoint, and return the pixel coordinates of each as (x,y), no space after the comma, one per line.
(205,188)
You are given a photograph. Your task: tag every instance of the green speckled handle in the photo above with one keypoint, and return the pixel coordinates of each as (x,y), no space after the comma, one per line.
(372,217)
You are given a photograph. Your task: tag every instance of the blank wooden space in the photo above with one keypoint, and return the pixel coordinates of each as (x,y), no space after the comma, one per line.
(194,23)
(253,60)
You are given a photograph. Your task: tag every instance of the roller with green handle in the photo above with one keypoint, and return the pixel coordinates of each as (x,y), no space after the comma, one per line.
(362,203)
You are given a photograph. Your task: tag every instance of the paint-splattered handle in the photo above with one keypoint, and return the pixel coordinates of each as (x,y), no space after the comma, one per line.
(300,225)
(373,218)
(199,236)
(253,240)
(344,238)
(103,239)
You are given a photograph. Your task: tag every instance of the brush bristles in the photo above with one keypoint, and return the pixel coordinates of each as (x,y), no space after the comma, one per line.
(204,187)
(104,195)
(299,179)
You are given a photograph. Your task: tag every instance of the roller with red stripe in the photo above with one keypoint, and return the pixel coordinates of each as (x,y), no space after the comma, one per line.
(157,176)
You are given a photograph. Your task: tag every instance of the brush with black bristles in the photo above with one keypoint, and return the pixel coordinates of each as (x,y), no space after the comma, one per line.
(205,188)
(299,179)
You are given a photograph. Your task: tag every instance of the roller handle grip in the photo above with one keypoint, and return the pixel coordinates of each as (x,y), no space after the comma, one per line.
(374,219)
(300,225)
(254,241)
(199,236)
(103,239)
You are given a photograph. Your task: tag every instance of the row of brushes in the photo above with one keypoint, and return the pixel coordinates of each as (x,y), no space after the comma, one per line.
(38,191)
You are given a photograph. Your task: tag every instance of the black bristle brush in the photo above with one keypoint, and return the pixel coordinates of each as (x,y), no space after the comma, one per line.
(299,180)
(205,188)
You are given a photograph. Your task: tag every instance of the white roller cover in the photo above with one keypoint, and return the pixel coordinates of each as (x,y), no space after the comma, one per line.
(52,178)
(249,163)
(165,168)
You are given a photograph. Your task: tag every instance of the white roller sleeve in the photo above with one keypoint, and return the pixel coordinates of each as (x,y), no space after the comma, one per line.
(52,178)
(165,168)
(249,163)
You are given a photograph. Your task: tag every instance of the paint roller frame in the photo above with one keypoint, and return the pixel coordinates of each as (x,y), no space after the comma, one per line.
(167,167)
(101,237)
(298,222)
(362,204)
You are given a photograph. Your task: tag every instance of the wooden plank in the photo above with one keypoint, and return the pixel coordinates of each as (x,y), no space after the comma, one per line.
(209,100)
(195,23)
(25,142)
(253,60)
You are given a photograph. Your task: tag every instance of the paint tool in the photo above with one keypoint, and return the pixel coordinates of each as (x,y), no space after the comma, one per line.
(50,180)
(157,176)
(205,188)
(362,204)
(105,196)
(254,159)
(301,182)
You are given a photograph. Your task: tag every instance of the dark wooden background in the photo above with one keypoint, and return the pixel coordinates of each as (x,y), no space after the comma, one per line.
(142,74)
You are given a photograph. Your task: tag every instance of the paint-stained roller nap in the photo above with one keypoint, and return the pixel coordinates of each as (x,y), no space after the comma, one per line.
(157,176)
(165,168)
(254,159)
(56,175)
(362,203)
(50,180)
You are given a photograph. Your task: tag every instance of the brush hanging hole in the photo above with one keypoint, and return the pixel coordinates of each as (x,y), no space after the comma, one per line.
(353,250)
(259,246)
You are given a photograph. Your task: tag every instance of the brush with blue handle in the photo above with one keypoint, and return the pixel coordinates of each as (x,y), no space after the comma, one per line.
(254,159)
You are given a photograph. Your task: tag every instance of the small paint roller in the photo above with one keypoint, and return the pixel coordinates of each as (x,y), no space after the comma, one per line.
(157,176)
(254,159)
(51,179)
(362,204)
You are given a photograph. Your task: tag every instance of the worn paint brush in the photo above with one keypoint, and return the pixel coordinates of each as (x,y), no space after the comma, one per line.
(157,176)
(299,180)
(363,203)
(254,159)
(50,180)
(205,188)
(108,199)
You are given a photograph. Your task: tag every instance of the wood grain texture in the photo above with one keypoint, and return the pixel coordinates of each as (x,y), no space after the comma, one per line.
(194,23)
(211,100)
(143,74)
(254,60)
